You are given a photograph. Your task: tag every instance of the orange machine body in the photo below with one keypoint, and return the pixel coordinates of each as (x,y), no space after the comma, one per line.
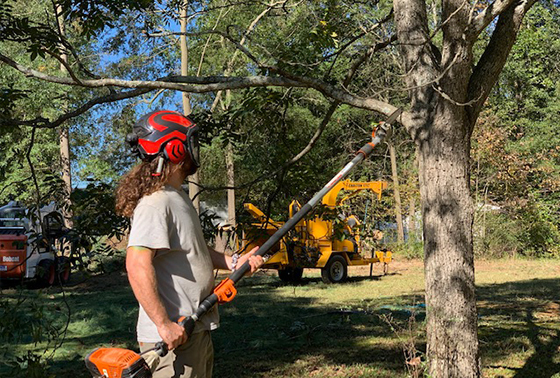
(13,254)
(117,363)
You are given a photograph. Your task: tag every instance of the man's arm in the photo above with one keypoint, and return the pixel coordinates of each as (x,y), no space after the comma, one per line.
(142,277)
(222,261)
(219,260)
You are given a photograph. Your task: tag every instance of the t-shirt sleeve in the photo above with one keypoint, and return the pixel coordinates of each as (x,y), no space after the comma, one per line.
(149,228)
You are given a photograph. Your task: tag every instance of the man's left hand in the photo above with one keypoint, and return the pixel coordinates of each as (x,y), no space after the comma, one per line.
(254,261)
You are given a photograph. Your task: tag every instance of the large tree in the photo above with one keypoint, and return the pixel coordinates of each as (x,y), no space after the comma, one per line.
(446,83)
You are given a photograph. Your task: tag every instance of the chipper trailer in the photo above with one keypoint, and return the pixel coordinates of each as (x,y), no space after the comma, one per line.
(315,243)
(124,363)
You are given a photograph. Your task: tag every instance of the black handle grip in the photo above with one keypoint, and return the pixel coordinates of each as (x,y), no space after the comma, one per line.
(188,324)
(161,348)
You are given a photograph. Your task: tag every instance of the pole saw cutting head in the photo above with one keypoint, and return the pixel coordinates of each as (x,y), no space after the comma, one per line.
(384,129)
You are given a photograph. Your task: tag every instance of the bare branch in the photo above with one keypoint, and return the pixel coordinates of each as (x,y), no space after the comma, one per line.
(45,123)
(218,20)
(484,18)
(65,64)
(328,115)
(438,89)
(195,84)
(238,45)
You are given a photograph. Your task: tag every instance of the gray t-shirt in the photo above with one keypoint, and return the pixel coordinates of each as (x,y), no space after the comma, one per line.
(166,221)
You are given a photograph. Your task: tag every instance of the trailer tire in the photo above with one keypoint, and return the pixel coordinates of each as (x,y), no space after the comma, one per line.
(290,274)
(336,270)
(63,270)
(46,272)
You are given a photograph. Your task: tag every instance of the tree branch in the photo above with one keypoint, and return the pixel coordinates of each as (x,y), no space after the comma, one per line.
(240,46)
(484,18)
(493,59)
(41,122)
(195,84)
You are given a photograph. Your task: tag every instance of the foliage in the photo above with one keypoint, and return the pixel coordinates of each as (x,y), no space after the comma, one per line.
(96,225)
(27,321)
(209,222)
(516,165)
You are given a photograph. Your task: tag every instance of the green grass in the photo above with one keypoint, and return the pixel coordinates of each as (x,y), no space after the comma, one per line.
(356,329)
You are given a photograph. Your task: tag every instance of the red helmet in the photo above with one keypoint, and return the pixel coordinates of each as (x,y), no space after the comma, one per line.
(165,133)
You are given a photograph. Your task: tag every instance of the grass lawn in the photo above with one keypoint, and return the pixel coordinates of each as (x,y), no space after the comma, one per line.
(358,329)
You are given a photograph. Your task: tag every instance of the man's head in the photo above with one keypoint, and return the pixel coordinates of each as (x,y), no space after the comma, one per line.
(167,143)
(167,136)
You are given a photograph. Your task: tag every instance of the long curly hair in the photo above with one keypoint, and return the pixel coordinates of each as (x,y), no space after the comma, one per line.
(137,183)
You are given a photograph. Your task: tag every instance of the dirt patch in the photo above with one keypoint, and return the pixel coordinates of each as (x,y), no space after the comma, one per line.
(83,283)
(550,311)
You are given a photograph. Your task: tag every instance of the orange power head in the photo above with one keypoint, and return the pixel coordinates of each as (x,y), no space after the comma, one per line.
(117,363)
(225,291)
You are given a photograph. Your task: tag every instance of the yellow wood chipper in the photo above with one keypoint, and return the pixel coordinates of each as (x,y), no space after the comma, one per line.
(315,243)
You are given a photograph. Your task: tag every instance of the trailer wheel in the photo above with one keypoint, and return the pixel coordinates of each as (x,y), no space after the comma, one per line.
(63,269)
(46,272)
(335,271)
(290,274)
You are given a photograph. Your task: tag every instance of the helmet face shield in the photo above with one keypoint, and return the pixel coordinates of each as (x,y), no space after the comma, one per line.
(193,145)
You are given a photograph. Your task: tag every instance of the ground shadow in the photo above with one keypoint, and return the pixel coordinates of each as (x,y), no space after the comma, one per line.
(521,320)
(263,334)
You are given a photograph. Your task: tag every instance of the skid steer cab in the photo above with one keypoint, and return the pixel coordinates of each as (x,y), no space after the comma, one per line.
(29,248)
(314,243)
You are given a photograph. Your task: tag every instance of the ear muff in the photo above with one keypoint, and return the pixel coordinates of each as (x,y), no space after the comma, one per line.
(175,151)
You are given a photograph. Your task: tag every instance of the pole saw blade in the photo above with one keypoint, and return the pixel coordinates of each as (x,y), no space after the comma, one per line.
(394,116)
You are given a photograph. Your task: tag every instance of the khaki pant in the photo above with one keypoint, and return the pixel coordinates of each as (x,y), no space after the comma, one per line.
(194,359)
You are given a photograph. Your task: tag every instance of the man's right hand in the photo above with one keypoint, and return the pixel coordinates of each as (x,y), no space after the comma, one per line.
(172,334)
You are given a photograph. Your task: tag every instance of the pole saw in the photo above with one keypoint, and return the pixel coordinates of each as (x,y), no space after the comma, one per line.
(124,363)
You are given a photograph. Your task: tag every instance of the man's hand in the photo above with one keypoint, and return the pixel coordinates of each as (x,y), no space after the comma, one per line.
(172,334)
(254,261)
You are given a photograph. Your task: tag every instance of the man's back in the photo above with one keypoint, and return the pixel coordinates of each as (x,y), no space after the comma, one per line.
(167,222)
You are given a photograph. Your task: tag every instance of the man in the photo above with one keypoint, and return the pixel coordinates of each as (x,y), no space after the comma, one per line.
(170,267)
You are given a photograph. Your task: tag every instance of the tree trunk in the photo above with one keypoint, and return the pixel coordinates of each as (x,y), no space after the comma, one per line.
(66,175)
(396,193)
(452,341)
(412,237)
(64,141)
(441,128)
(231,183)
(194,179)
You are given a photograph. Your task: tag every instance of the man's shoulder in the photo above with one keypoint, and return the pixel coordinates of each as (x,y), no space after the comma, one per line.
(157,199)
(165,197)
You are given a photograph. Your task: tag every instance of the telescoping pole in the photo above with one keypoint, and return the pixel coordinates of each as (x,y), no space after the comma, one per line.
(225,291)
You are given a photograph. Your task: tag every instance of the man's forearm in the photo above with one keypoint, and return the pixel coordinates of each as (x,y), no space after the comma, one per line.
(220,260)
(142,277)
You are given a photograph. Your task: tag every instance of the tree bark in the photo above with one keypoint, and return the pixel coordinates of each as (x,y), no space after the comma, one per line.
(230,168)
(194,179)
(412,237)
(396,193)
(64,142)
(447,210)
(442,130)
